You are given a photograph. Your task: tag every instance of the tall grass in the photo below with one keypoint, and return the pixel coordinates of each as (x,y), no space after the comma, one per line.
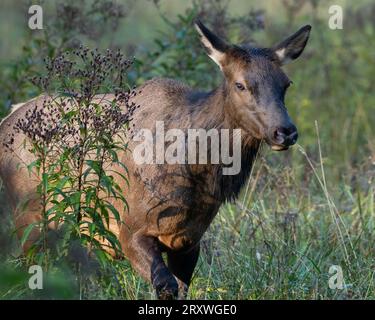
(279,240)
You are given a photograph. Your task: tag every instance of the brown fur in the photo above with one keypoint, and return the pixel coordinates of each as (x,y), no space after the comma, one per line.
(171,206)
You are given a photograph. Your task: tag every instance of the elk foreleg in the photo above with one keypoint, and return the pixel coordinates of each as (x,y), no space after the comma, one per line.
(182,264)
(146,258)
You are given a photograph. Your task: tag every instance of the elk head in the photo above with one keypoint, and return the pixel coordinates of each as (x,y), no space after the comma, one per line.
(255,85)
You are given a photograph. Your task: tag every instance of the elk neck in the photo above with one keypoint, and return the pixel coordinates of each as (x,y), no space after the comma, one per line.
(213,110)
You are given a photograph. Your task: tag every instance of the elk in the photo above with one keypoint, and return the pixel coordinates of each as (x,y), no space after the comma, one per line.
(172,205)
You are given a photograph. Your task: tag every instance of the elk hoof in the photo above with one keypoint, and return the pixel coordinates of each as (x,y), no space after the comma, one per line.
(182,290)
(167,290)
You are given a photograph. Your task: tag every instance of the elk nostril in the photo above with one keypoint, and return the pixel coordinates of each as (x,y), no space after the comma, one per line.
(279,135)
(285,136)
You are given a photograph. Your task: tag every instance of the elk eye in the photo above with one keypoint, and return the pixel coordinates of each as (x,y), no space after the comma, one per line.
(240,86)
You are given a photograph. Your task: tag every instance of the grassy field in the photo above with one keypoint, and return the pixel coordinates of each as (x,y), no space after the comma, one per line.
(280,239)
(302,211)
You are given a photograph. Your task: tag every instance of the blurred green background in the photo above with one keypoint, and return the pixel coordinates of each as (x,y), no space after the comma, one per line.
(318,197)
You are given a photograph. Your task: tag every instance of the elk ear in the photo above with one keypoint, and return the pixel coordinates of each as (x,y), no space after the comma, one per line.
(215,46)
(292,47)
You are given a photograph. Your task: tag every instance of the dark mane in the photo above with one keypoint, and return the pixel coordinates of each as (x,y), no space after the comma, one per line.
(229,186)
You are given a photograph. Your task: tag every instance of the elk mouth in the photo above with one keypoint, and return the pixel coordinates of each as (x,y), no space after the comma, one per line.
(277,147)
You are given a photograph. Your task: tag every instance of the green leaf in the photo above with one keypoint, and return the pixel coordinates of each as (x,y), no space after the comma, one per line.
(101,256)
(26,233)
(114,211)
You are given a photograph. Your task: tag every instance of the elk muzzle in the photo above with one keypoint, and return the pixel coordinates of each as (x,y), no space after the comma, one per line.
(283,137)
